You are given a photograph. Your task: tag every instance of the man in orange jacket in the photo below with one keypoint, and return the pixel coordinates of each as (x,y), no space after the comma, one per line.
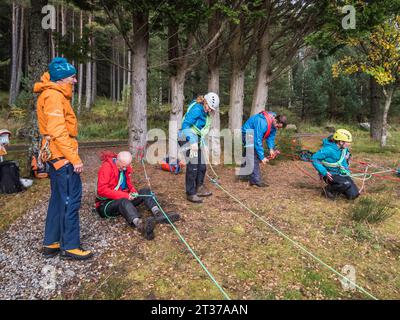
(59,128)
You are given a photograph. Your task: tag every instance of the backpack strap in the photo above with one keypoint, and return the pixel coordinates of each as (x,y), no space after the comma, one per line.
(269,118)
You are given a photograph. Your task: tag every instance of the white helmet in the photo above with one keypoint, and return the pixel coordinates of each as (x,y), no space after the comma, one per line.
(212,100)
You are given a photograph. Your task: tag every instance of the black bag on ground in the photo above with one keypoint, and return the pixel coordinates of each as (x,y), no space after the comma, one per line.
(9,177)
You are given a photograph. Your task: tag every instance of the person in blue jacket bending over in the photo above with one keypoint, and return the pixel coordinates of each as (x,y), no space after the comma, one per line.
(195,126)
(332,163)
(259,127)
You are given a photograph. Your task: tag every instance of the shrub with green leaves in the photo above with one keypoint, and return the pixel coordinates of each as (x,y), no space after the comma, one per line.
(372,210)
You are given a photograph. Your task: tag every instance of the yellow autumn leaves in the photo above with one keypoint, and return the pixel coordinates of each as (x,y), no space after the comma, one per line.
(380,55)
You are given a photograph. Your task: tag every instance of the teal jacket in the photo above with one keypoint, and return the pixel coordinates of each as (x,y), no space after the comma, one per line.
(196,116)
(331,153)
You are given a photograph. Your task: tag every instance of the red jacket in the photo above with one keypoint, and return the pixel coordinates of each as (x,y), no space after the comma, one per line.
(107,180)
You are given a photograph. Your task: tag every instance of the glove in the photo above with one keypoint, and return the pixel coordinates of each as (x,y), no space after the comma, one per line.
(133,195)
(328,177)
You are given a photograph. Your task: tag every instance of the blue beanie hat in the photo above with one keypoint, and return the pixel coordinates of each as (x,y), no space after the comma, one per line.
(59,68)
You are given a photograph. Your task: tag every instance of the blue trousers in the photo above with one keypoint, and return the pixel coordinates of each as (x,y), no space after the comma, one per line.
(62,221)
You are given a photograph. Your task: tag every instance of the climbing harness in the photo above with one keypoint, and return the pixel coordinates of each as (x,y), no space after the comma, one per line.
(152,194)
(339,164)
(120,180)
(200,132)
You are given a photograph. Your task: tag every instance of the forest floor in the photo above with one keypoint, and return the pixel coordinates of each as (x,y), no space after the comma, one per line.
(246,257)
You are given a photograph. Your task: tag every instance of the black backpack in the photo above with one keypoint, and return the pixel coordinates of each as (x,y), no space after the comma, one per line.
(9,177)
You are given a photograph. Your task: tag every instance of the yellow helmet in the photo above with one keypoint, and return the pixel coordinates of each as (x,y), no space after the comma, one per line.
(342,135)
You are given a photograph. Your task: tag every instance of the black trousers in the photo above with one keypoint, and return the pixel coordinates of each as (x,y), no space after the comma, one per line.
(127,208)
(343,185)
(195,170)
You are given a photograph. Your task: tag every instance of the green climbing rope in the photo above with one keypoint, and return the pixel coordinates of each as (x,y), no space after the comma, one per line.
(296,244)
(192,252)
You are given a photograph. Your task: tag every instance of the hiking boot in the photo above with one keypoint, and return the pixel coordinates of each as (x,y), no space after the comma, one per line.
(328,194)
(172,216)
(245,178)
(51,250)
(259,184)
(146,228)
(202,191)
(194,198)
(76,254)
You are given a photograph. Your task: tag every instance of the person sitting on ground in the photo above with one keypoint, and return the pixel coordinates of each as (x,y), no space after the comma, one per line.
(116,195)
(332,163)
(259,127)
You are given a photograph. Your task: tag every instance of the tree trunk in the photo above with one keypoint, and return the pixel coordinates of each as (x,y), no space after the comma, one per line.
(124,71)
(388,93)
(80,75)
(375,117)
(214,61)
(160,79)
(89,73)
(236,98)
(129,76)
(63,22)
(73,43)
(94,73)
(290,86)
(20,51)
(138,109)
(88,88)
(39,59)
(214,136)
(177,84)
(14,54)
(260,93)
(94,82)
(178,69)
(118,62)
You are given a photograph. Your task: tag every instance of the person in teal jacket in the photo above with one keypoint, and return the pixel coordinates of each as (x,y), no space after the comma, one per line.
(195,126)
(332,163)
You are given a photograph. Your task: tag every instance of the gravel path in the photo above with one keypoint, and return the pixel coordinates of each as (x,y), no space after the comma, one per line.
(25,274)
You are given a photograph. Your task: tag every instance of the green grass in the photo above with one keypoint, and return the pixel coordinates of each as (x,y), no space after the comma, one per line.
(14,206)
(362,142)
(372,210)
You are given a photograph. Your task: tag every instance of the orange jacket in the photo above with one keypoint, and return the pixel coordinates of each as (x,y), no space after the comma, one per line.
(57,119)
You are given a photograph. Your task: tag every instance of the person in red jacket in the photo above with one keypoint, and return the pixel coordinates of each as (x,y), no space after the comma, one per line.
(116,195)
